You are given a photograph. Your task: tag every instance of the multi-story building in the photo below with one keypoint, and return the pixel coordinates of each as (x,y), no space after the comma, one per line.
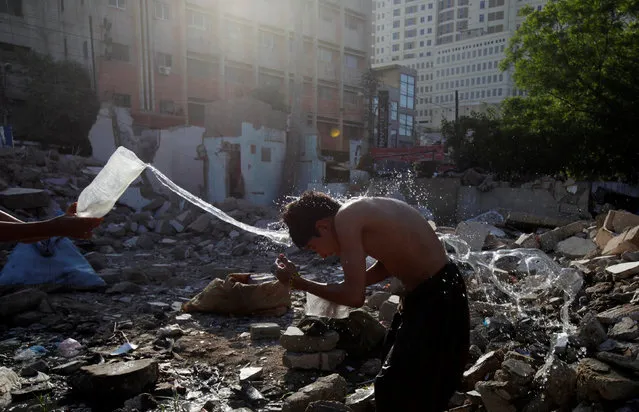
(395,106)
(166,59)
(455,45)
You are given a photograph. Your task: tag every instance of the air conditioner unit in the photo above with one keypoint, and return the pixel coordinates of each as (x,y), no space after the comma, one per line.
(165,70)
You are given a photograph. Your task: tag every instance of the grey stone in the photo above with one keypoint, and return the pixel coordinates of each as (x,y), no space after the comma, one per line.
(327,406)
(623,270)
(115,380)
(265,331)
(624,362)
(598,381)
(294,340)
(591,333)
(33,368)
(21,198)
(249,373)
(576,247)
(124,287)
(625,329)
(548,240)
(558,381)
(389,308)
(179,228)
(360,335)
(520,372)
(329,388)
(145,241)
(325,361)
(141,403)
(201,224)
(97,260)
(69,367)
(485,365)
(363,400)
(615,314)
(371,367)
(376,299)
(495,397)
(20,301)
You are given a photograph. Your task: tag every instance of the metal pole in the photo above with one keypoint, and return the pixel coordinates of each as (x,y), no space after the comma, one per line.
(93,71)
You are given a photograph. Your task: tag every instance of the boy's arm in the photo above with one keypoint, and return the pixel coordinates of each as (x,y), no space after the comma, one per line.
(5,217)
(352,291)
(376,273)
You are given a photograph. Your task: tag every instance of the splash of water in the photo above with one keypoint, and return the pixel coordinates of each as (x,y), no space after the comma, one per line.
(278,236)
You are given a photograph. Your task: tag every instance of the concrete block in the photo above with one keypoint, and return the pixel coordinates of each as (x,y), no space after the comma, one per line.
(265,331)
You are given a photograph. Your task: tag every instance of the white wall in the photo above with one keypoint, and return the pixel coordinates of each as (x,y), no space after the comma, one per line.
(262,179)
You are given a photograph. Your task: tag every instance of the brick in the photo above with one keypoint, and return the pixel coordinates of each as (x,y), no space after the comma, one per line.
(325,361)
(265,331)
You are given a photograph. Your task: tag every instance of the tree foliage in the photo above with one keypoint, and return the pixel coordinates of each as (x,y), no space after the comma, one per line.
(578,61)
(60,105)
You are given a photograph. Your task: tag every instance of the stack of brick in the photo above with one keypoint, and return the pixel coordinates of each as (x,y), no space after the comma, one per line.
(311,352)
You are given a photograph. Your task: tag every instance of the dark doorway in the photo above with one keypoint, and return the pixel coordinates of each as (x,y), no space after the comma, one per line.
(234,173)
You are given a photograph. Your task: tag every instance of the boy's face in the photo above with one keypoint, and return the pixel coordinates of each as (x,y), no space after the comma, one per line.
(325,244)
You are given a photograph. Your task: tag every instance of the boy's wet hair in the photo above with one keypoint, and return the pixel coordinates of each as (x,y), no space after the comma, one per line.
(301,215)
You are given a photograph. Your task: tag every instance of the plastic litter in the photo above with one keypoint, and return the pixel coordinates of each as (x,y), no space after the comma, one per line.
(123,349)
(316,306)
(97,199)
(69,348)
(30,353)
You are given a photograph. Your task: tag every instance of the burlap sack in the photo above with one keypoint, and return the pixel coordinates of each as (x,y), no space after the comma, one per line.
(242,294)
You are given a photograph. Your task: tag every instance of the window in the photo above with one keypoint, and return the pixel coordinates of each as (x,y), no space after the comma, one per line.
(411,9)
(352,22)
(167,107)
(396,24)
(482,4)
(351,62)
(394,109)
(396,35)
(410,33)
(350,98)
(395,47)
(120,4)
(122,100)
(407,91)
(267,40)
(397,1)
(199,68)
(325,55)
(410,22)
(11,7)
(405,125)
(162,10)
(430,30)
(327,14)
(119,52)
(196,20)
(325,93)
(163,59)
(409,45)
(397,12)
(266,154)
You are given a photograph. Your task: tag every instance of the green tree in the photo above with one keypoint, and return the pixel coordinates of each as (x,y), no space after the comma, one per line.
(578,61)
(60,105)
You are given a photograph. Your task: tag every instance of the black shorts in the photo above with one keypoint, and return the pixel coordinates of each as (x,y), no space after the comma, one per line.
(427,346)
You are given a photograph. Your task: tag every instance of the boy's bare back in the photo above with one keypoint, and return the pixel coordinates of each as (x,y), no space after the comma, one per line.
(396,235)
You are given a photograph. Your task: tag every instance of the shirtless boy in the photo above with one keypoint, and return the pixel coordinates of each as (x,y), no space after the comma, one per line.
(429,337)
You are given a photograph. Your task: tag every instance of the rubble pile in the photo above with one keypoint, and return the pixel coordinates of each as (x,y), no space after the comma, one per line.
(541,340)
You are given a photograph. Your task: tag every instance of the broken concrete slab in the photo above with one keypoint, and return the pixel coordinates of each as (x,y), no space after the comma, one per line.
(549,240)
(628,241)
(495,397)
(325,361)
(558,381)
(294,340)
(575,247)
(265,331)
(623,270)
(597,381)
(625,329)
(115,380)
(618,221)
(23,198)
(614,315)
(388,309)
(485,365)
(331,388)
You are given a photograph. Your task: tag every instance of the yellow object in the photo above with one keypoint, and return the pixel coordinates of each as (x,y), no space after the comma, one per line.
(335,132)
